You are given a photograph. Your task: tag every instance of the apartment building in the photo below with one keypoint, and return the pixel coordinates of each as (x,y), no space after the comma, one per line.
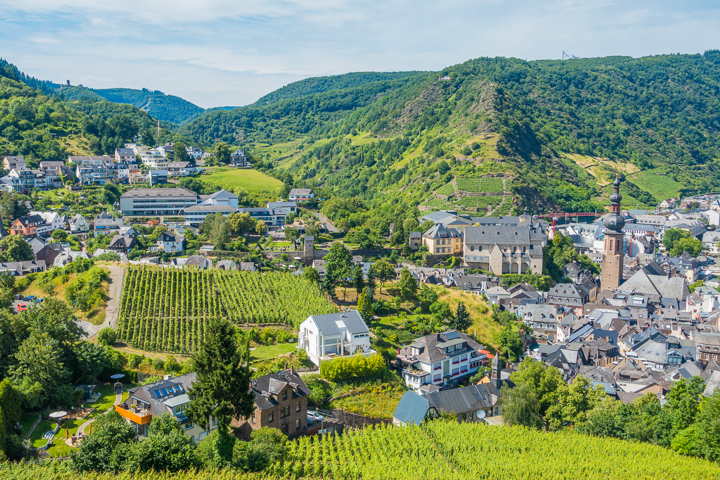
(157,201)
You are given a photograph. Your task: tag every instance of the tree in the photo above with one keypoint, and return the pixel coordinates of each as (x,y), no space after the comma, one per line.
(99,451)
(268,446)
(426,225)
(291,234)
(12,207)
(88,362)
(511,343)
(107,336)
(672,235)
(543,380)
(691,245)
(10,411)
(407,284)
(59,235)
(221,387)
(384,271)
(241,223)
(461,321)
(222,153)
(572,403)
(709,427)
(357,278)
(217,227)
(39,361)
(171,364)
(181,154)
(365,306)
(166,448)
(148,137)
(520,406)
(338,264)
(260,227)
(427,296)
(311,273)
(15,249)
(441,311)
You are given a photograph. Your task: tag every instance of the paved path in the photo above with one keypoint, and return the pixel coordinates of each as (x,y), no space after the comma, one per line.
(328,224)
(112,309)
(118,401)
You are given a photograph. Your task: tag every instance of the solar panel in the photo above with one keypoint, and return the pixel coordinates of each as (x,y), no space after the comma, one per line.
(452,335)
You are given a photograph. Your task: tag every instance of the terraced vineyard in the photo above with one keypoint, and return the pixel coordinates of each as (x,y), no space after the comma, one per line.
(446,450)
(167,309)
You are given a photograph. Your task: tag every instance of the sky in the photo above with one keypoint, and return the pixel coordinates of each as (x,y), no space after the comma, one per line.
(231,52)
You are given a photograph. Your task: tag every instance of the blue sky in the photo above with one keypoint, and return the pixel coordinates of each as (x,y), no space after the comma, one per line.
(230,52)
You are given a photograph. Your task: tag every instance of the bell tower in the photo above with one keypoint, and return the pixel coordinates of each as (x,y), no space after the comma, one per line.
(612,266)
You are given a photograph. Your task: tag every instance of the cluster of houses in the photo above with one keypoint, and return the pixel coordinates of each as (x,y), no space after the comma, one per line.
(123,167)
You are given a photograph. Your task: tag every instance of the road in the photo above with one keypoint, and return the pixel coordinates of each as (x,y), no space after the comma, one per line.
(328,224)
(112,309)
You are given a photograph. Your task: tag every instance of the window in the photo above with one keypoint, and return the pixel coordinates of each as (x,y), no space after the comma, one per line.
(252,419)
(270,417)
(437,378)
(463,358)
(437,367)
(470,416)
(297,407)
(284,394)
(456,360)
(297,424)
(190,425)
(455,371)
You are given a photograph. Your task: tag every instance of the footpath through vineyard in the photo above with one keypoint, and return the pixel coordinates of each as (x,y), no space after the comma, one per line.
(168,309)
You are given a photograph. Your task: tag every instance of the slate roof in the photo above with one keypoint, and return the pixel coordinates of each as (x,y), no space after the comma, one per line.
(431,353)
(656,285)
(331,323)
(300,191)
(440,231)
(412,408)
(465,399)
(159,192)
(504,235)
(267,387)
(152,393)
(122,241)
(712,384)
(198,261)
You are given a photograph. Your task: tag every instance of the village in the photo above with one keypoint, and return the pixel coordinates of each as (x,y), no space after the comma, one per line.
(634,308)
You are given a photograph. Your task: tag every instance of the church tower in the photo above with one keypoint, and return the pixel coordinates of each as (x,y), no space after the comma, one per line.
(495,375)
(612,266)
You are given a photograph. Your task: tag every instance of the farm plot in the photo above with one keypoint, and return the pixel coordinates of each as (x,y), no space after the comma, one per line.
(168,309)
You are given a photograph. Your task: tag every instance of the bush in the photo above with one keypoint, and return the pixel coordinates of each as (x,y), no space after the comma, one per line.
(158,364)
(319,389)
(348,368)
(107,336)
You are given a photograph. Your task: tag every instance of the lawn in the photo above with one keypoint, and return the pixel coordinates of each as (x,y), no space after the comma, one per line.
(104,403)
(27,421)
(36,439)
(267,352)
(253,181)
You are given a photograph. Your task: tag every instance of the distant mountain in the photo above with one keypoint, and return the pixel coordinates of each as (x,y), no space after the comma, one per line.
(557,132)
(167,108)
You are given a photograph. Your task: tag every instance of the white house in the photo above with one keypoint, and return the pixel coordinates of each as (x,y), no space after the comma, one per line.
(170,242)
(325,337)
(54,220)
(301,194)
(78,224)
(440,359)
(106,223)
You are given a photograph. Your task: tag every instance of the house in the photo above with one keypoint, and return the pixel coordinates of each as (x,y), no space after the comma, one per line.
(13,162)
(170,242)
(284,208)
(544,319)
(43,251)
(708,347)
(239,159)
(710,242)
(29,226)
(332,335)
(226,265)
(568,295)
(505,248)
(301,195)
(157,176)
(440,359)
(125,155)
(106,223)
(122,243)
(414,240)
(280,402)
(69,256)
(667,204)
(78,224)
(198,261)
(651,280)
(18,269)
(22,178)
(166,396)
(54,171)
(248,266)
(441,240)
(152,202)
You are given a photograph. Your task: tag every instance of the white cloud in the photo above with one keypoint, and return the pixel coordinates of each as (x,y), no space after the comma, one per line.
(221,52)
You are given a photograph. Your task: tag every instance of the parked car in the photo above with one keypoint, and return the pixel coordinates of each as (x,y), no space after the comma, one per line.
(314,416)
(30,297)
(22,307)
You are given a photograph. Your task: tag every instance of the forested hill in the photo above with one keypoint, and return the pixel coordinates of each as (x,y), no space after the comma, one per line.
(314,85)
(166,108)
(559,130)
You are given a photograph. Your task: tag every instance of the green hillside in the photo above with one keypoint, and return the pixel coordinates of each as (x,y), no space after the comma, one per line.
(562,130)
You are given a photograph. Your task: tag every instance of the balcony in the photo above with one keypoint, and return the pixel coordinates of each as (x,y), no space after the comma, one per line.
(139,416)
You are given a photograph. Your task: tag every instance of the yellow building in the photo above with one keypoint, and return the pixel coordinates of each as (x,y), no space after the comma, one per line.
(441,240)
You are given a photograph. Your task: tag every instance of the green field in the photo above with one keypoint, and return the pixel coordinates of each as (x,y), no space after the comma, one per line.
(657,183)
(267,352)
(446,189)
(251,180)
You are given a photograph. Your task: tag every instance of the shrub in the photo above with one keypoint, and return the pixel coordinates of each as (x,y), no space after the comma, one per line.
(107,336)
(353,367)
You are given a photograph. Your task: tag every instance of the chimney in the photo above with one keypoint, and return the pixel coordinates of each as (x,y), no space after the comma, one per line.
(251,385)
(292,369)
